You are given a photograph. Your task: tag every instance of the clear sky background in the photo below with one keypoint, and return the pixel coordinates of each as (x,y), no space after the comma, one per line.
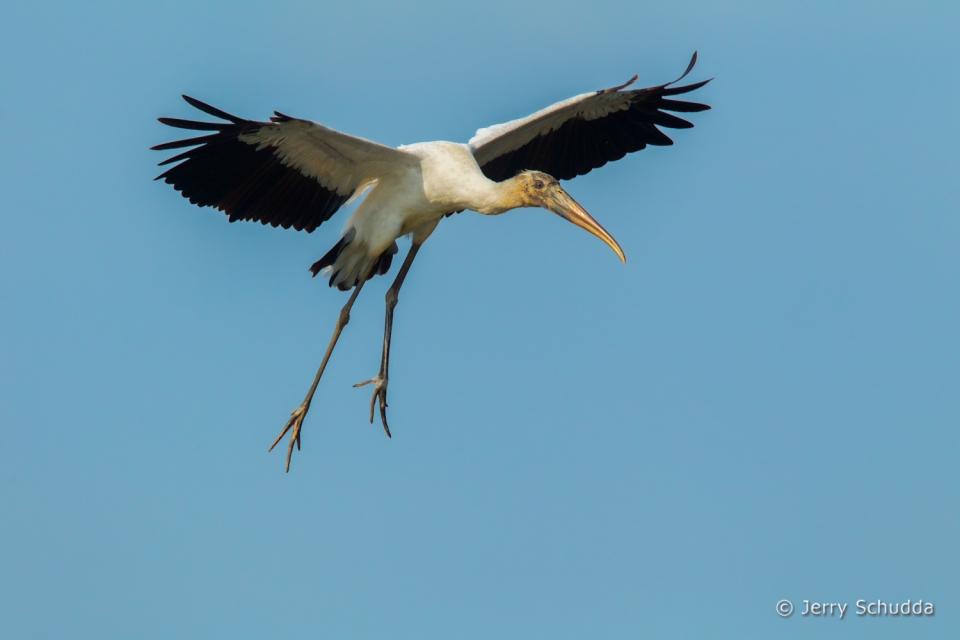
(761,404)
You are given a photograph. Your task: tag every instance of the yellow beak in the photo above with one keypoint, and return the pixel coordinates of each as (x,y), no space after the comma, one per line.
(559,202)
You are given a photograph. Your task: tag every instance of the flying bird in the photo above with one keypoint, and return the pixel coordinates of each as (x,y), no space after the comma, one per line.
(296,173)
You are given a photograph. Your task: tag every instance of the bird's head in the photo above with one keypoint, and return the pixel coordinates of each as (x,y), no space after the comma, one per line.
(537,189)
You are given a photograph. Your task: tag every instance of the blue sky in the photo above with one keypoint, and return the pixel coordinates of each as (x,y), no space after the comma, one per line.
(761,404)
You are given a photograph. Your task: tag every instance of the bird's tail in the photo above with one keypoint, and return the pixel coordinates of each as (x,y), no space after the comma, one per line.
(346,273)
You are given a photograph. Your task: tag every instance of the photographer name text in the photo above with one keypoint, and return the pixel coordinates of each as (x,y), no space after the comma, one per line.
(862,608)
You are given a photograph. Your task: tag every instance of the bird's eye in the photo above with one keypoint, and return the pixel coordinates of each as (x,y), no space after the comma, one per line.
(538,184)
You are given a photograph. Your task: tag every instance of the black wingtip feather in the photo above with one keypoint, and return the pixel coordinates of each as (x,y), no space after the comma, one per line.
(687,88)
(681,106)
(176,158)
(213,111)
(191,124)
(177,144)
(693,61)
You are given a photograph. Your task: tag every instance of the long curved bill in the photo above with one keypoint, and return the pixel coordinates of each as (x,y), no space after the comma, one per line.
(560,203)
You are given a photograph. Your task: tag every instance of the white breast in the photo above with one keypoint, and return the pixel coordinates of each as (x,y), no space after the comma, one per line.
(413,201)
(451,177)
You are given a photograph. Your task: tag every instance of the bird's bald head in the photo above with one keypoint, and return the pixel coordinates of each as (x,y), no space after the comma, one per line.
(538,189)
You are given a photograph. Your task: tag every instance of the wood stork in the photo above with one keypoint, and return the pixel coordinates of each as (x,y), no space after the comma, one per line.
(296,173)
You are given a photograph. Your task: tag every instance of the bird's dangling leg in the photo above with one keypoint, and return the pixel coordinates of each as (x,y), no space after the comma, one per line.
(298,414)
(381,379)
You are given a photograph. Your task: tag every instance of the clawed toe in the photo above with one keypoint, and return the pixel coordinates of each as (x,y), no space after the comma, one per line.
(379,393)
(295,422)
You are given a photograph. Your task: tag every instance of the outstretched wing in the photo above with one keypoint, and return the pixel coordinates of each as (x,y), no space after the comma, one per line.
(287,172)
(572,137)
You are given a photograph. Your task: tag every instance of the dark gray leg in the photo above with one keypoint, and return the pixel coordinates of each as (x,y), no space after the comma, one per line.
(298,414)
(380,381)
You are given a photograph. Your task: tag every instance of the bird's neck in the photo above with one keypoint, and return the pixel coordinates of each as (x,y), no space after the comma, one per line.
(499,197)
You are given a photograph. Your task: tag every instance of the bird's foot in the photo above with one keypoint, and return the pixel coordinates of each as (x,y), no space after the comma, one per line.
(379,393)
(294,423)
